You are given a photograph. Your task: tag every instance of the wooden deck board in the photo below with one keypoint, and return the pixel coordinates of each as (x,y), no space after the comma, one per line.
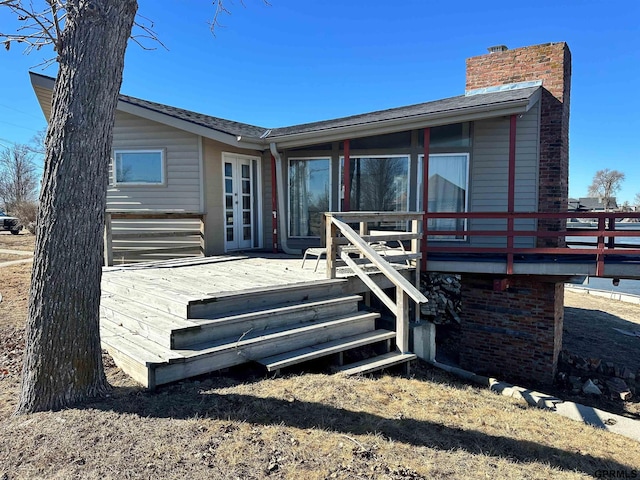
(215,287)
(199,279)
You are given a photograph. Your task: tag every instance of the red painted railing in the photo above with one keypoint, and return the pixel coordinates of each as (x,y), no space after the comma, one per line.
(605,232)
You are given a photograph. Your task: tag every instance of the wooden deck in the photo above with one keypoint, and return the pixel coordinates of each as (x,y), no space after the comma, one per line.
(169,320)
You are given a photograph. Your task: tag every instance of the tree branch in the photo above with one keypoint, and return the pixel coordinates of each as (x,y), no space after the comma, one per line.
(54,15)
(42,30)
(148,33)
(42,24)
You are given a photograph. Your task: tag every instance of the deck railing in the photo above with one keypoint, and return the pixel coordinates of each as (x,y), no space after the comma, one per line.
(165,228)
(342,242)
(604,230)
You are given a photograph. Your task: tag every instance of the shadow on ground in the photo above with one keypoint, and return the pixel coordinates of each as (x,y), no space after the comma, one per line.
(190,400)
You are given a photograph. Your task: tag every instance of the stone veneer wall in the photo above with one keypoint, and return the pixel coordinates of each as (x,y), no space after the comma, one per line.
(513,334)
(550,63)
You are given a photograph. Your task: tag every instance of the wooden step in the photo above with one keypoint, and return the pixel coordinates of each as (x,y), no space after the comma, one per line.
(254,299)
(135,355)
(376,363)
(144,320)
(204,330)
(152,364)
(160,298)
(305,354)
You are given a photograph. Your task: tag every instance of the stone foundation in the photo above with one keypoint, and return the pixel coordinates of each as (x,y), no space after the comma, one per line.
(515,334)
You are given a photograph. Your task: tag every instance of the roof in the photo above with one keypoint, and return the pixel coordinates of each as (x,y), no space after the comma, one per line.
(439,112)
(596,203)
(452,104)
(215,123)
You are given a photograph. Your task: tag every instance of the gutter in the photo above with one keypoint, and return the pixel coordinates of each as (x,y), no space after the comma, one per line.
(282,224)
(465,114)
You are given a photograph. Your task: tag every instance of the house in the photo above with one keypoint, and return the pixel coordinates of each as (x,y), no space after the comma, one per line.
(491,158)
(169,160)
(597,204)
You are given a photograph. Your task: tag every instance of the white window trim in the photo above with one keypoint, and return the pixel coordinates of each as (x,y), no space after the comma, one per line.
(163,172)
(420,172)
(289,196)
(395,155)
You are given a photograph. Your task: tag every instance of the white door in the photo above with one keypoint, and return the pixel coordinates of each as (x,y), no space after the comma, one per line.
(239,187)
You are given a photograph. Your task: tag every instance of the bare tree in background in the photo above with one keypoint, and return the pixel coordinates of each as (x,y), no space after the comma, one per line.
(374,183)
(63,363)
(606,183)
(636,200)
(18,177)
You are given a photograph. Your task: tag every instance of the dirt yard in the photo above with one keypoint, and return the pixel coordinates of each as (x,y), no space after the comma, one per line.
(245,425)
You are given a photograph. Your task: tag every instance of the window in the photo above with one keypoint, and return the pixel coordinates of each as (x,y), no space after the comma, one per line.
(378,183)
(309,195)
(448,186)
(139,167)
(453,136)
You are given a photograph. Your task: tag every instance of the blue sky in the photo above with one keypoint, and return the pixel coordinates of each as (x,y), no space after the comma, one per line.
(298,61)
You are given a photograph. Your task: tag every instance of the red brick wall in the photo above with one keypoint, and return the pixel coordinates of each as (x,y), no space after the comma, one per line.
(514,334)
(550,63)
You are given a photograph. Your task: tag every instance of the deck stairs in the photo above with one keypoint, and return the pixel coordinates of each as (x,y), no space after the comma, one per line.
(158,337)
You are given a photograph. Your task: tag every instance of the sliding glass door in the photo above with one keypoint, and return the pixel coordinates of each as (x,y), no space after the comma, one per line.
(309,195)
(448,187)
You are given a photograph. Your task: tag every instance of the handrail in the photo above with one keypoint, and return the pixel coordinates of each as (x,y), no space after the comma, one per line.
(385,267)
(404,289)
(605,233)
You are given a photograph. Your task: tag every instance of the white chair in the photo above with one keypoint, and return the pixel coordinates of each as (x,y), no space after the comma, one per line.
(317,252)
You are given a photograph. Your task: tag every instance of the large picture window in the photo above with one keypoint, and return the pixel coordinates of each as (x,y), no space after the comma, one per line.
(309,195)
(378,183)
(448,187)
(139,167)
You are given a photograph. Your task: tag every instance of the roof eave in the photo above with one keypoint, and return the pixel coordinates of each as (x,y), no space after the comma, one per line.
(196,129)
(465,114)
(42,84)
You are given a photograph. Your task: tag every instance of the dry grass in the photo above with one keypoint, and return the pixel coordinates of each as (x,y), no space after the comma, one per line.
(310,426)
(23,241)
(589,331)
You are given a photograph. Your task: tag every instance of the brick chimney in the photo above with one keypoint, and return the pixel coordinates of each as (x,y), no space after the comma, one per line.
(550,63)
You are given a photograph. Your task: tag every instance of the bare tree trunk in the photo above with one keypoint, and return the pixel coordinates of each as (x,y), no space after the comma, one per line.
(63,363)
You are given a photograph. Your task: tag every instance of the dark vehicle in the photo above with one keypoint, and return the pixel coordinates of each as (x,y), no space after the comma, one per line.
(10,223)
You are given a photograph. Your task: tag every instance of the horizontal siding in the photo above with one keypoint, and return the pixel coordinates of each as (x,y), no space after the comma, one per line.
(489,175)
(182,191)
(147,249)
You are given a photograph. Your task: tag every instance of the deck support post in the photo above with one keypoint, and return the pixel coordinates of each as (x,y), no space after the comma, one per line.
(415,248)
(402,320)
(331,231)
(108,240)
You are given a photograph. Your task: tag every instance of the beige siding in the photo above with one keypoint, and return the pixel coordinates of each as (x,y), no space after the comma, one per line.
(489,174)
(131,250)
(182,191)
